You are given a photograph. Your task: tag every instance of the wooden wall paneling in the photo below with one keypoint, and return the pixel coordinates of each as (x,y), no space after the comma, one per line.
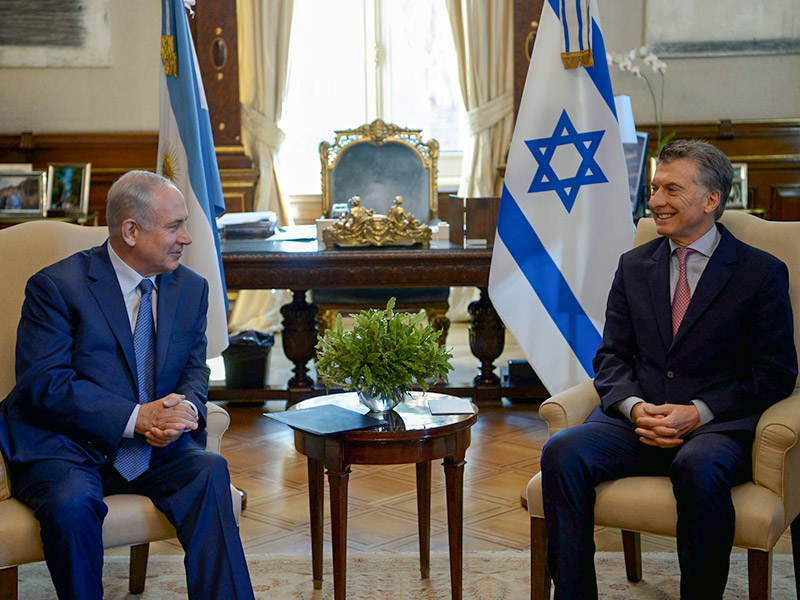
(527,14)
(785,203)
(771,149)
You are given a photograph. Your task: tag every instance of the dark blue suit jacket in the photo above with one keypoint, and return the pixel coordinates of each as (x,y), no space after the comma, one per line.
(76,382)
(734,349)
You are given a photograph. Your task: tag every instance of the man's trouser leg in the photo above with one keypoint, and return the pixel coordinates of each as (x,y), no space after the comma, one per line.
(574,461)
(703,472)
(67,499)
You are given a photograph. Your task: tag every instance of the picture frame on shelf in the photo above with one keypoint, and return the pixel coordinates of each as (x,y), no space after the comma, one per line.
(737,199)
(636,163)
(68,188)
(22,194)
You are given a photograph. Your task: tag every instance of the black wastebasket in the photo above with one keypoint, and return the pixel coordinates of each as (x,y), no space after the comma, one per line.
(247,360)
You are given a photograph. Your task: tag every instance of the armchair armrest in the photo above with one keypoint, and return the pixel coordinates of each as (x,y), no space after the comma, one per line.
(776,454)
(217,422)
(570,407)
(5,481)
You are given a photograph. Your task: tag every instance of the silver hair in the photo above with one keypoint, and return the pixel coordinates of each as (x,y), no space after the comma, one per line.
(714,169)
(131,197)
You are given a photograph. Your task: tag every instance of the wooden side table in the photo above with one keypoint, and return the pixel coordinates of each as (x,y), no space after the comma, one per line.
(414,436)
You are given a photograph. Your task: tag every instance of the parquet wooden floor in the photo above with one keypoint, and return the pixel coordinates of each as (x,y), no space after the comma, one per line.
(504,454)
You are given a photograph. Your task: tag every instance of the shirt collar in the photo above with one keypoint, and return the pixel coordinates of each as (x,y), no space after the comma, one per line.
(705,244)
(127,276)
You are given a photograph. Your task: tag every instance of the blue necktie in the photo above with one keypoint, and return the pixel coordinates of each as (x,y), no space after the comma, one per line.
(133,454)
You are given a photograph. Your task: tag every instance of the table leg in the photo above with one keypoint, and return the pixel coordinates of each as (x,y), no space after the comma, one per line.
(315,499)
(338,484)
(454,479)
(299,337)
(424,517)
(486,337)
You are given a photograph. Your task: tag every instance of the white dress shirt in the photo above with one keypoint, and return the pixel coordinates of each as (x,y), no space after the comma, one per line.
(696,263)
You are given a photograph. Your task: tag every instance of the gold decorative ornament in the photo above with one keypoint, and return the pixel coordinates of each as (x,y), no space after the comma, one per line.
(168,55)
(360,227)
(573,60)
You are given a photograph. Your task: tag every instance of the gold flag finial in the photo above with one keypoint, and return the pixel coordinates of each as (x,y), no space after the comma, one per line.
(168,55)
(573,60)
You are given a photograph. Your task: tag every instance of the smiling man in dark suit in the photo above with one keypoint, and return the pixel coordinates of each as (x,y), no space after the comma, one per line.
(110,398)
(697,344)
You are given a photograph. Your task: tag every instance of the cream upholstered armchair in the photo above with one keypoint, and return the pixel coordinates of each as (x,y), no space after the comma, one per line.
(132,520)
(764,507)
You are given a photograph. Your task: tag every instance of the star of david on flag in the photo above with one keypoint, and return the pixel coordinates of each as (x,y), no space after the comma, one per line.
(565,211)
(589,171)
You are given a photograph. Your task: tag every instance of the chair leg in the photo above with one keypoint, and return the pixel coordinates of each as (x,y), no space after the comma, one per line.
(795,529)
(759,574)
(138,568)
(8,583)
(632,547)
(540,572)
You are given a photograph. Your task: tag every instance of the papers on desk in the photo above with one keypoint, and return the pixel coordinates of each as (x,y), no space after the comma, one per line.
(326,419)
(247,224)
(296,233)
(450,406)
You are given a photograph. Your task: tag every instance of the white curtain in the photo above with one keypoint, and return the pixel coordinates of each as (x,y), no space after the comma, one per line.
(483,34)
(264,30)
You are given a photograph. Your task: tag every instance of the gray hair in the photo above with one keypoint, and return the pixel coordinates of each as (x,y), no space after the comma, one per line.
(131,197)
(714,170)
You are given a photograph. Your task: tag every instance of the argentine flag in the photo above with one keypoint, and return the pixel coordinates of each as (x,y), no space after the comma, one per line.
(186,156)
(565,213)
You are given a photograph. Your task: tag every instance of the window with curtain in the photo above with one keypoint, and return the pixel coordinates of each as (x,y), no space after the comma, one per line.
(352,61)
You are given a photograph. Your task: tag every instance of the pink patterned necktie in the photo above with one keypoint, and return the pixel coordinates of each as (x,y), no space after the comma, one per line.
(680,301)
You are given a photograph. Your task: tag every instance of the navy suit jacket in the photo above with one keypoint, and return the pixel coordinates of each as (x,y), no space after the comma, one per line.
(734,349)
(76,383)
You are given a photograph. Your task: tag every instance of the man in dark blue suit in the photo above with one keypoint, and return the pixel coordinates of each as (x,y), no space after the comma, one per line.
(110,398)
(697,344)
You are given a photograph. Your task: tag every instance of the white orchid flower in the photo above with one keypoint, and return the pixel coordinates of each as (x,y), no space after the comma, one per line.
(650,59)
(625,64)
(660,66)
(632,54)
(609,58)
(643,50)
(635,70)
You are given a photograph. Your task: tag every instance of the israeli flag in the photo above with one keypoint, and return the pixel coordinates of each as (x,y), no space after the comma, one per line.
(186,156)
(565,213)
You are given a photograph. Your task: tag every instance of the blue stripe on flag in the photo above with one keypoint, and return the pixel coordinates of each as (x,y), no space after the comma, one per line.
(564,24)
(580,22)
(599,72)
(547,281)
(194,127)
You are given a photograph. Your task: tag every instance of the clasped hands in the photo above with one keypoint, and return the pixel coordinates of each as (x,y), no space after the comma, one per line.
(664,425)
(164,420)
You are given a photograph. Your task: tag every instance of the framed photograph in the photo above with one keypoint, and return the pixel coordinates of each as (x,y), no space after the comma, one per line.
(636,161)
(738,196)
(22,194)
(68,188)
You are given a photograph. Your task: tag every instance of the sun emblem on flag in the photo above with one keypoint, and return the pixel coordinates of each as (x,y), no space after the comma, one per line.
(169,164)
(588,172)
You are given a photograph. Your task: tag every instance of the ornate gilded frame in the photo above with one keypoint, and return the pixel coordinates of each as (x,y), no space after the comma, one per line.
(379,132)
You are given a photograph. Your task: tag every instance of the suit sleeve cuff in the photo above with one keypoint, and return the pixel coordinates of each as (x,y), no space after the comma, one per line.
(194,408)
(131,426)
(705,413)
(626,406)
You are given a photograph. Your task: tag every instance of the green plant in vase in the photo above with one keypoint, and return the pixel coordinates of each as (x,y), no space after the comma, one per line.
(383,357)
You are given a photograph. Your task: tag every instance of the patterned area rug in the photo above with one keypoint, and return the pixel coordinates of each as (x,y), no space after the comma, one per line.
(487,576)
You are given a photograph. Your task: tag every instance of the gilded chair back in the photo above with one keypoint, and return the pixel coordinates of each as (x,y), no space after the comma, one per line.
(377,162)
(27,248)
(779,238)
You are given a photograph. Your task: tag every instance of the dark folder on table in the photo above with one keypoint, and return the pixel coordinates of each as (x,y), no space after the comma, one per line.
(326,419)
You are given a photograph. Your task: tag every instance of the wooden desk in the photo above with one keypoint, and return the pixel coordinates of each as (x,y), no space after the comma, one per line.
(300,266)
(415,436)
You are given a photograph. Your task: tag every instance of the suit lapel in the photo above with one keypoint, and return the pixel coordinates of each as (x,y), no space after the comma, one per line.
(104,286)
(658,283)
(716,274)
(167,305)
